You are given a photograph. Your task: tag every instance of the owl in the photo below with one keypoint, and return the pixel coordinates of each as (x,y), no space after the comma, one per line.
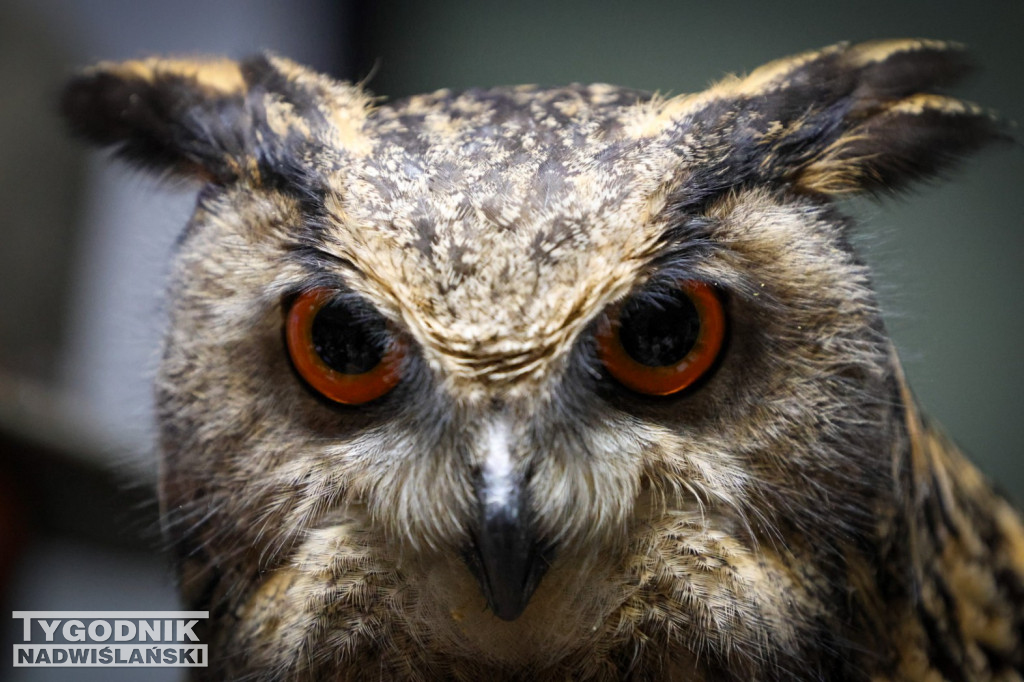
(574,383)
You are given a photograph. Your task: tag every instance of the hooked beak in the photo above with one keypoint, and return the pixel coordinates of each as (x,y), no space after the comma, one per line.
(505,557)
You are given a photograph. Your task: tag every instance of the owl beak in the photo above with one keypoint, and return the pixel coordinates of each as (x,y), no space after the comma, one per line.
(505,556)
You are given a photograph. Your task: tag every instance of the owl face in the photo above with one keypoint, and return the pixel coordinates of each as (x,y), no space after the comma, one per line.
(564,352)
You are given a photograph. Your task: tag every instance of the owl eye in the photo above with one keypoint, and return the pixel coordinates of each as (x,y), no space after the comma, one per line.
(659,347)
(342,347)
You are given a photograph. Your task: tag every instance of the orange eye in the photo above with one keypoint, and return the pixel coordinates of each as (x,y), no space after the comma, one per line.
(659,346)
(342,347)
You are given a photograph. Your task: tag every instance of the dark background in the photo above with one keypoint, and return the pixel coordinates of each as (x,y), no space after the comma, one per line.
(85,243)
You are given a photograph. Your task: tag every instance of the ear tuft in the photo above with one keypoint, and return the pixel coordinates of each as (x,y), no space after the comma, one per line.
(891,69)
(184,116)
(868,117)
(911,139)
(264,119)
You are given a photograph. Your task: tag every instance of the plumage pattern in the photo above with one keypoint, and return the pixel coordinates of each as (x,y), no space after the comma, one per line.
(789,517)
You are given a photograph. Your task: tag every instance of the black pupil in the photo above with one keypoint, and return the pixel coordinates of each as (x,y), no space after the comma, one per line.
(662,332)
(349,337)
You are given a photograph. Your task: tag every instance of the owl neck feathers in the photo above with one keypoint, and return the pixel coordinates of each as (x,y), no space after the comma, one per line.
(956,563)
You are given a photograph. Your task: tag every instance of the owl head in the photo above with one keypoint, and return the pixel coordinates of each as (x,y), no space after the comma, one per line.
(498,344)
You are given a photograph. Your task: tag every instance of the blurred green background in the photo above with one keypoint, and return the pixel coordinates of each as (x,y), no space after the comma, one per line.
(86,243)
